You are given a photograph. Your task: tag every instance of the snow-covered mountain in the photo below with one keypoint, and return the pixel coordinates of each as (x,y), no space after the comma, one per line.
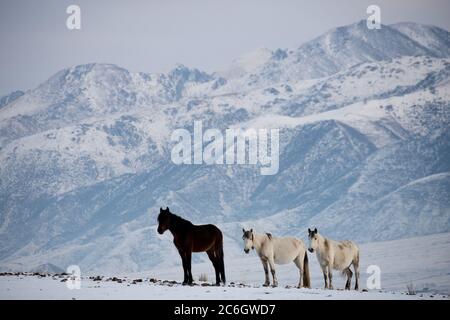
(341,48)
(364,150)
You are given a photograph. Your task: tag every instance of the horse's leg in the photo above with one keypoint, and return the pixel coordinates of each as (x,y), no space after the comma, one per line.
(330,277)
(272,269)
(183,260)
(299,263)
(188,267)
(347,283)
(349,274)
(220,262)
(215,262)
(356,267)
(266,271)
(222,267)
(325,276)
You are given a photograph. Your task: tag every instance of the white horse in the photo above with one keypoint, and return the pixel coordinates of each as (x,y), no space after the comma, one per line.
(338,255)
(273,250)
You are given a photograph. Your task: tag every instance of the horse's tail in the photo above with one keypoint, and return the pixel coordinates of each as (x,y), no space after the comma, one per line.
(306,275)
(220,255)
(357,257)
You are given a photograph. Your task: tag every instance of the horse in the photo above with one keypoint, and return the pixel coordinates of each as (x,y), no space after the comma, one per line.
(338,255)
(189,238)
(273,250)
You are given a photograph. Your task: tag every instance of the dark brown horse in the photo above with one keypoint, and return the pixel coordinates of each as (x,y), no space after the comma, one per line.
(190,238)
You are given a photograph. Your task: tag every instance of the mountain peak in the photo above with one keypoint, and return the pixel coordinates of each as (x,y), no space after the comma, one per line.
(248,62)
(83,69)
(78,76)
(184,74)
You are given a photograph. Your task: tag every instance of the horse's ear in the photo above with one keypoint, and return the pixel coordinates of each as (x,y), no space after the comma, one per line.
(315,230)
(167,209)
(309,230)
(243,230)
(251,230)
(160,209)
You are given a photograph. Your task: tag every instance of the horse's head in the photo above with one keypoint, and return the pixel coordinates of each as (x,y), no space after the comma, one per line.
(313,240)
(248,240)
(163,220)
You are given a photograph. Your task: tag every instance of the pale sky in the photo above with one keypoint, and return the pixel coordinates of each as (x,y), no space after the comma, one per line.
(152,36)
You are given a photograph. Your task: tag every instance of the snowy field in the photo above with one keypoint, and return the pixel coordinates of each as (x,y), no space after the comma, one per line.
(423,262)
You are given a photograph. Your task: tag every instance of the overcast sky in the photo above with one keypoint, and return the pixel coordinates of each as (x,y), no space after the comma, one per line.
(152,36)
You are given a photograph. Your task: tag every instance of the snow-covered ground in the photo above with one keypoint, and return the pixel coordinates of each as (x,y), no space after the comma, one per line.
(32,287)
(423,262)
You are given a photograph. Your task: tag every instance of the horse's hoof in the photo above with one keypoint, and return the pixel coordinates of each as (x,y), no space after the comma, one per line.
(274,285)
(266,284)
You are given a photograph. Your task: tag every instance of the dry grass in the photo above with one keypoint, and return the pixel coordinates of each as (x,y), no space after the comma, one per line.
(410,289)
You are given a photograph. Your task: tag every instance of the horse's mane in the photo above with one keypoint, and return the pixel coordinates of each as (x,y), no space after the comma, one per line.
(179,220)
